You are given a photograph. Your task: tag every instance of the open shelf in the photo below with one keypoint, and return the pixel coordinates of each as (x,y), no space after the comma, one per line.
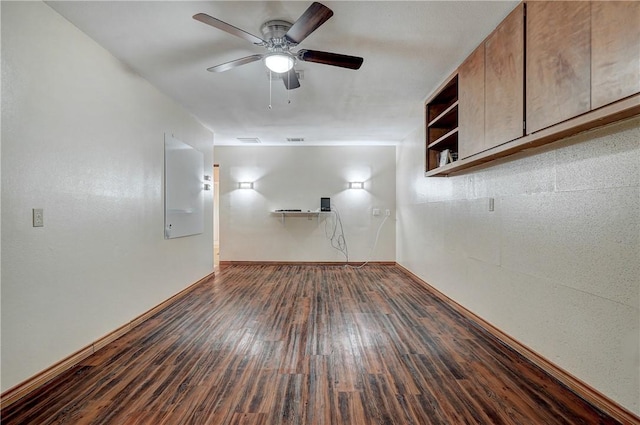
(448,117)
(446,141)
(441,113)
(309,214)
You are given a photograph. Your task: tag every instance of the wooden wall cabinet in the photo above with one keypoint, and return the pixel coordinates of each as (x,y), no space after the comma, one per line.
(491,84)
(615,51)
(471,110)
(562,67)
(580,56)
(504,81)
(558,62)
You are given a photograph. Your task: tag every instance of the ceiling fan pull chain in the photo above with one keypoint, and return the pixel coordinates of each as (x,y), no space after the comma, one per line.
(270,89)
(289,85)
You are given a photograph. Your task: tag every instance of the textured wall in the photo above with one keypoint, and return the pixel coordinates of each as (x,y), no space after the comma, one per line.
(556,265)
(297,177)
(83,138)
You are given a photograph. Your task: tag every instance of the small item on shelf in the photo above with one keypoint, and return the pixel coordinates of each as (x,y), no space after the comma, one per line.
(447,156)
(443,157)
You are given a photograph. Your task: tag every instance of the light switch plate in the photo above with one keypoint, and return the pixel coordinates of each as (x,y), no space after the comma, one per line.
(38,217)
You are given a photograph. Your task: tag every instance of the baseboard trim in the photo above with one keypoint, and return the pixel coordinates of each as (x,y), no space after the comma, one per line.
(303,263)
(579,387)
(26,387)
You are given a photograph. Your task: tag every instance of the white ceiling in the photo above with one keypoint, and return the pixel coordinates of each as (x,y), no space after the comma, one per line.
(408,47)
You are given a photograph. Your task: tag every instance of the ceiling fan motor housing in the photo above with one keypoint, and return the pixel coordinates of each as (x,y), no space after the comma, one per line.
(273,32)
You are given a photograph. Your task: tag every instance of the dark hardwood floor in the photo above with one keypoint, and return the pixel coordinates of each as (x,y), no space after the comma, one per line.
(305,345)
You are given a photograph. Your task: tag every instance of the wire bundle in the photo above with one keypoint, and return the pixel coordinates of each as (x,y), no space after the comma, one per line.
(336,237)
(339,242)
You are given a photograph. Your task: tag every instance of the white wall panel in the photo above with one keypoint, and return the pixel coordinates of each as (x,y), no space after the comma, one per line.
(297,177)
(554,235)
(603,160)
(83,138)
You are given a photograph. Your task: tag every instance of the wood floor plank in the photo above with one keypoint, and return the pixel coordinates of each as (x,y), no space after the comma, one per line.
(318,345)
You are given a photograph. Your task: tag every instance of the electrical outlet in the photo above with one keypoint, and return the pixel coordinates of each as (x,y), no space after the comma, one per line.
(38,217)
(376,212)
(387,212)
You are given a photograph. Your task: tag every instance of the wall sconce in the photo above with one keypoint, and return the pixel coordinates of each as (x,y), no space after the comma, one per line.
(245,185)
(356,185)
(207,186)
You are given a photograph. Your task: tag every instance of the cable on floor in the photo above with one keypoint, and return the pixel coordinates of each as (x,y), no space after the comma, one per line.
(375,243)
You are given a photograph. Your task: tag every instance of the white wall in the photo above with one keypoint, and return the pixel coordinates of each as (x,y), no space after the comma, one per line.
(556,265)
(82,137)
(297,177)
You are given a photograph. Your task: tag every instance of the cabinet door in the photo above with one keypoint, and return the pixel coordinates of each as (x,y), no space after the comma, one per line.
(471,104)
(615,51)
(558,62)
(504,81)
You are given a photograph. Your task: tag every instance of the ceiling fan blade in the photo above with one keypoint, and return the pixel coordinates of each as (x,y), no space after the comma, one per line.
(316,15)
(234,63)
(291,79)
(334,59)
(217,23)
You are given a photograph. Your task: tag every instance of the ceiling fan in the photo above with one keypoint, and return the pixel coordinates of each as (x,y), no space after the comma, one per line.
(279,37)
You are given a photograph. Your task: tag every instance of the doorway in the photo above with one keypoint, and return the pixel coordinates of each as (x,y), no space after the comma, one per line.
(216,217)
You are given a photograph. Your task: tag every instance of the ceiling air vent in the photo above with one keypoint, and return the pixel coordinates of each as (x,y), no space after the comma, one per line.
(295,139)
(249,140)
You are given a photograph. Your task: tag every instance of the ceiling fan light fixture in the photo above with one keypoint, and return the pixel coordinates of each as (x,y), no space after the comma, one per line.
(279,62)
